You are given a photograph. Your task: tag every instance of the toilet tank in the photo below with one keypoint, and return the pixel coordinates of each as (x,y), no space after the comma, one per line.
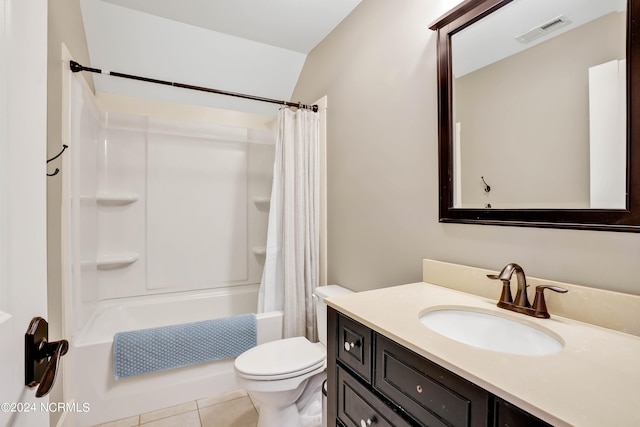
(320,294)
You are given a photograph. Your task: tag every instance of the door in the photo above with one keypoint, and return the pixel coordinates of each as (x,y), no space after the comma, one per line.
(23,274)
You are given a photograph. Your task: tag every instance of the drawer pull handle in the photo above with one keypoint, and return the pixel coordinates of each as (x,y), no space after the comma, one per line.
(368,422)
(349,345)
(419,388)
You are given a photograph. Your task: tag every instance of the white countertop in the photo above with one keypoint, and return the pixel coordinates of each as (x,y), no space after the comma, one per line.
(593,381)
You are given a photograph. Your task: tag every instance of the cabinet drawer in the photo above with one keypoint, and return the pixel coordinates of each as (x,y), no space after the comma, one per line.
(417,385)
(507,415)
(355,346)
(358,407)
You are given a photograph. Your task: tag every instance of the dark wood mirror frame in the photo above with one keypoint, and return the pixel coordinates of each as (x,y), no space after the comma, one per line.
(628,219)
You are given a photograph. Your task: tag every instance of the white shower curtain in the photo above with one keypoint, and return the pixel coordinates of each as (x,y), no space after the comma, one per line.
(291,270)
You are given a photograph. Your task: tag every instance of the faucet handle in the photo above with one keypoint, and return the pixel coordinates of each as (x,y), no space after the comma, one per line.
(505,297)
(539,304)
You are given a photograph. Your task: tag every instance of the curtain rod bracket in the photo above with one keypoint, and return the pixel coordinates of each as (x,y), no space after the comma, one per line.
(75,67)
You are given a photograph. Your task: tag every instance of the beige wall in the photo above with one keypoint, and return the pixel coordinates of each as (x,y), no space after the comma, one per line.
(378,69)
(65,26)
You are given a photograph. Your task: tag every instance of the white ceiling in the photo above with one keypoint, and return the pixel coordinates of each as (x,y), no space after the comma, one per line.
(494,37)
(255,47)
(297,25)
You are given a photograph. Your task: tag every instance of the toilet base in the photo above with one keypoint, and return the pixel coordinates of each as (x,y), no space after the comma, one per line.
(283,408)
(287,416)
(277,408)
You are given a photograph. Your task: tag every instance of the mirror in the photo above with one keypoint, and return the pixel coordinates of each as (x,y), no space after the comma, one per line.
(534,97)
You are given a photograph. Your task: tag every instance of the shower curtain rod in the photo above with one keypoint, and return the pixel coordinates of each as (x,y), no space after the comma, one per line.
(75,67)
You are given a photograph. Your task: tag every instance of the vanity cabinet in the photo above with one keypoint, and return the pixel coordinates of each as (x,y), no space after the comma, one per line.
(508,415)
(355,347)
(428,393)
(374,381)
(358,406)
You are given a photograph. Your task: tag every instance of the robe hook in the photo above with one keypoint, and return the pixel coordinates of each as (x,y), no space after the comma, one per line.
(55,172)
(487,188)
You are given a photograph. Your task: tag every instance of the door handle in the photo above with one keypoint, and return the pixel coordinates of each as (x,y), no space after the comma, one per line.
(42,357)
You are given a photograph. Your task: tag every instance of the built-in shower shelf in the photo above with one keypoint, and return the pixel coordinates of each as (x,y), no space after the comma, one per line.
(116,199)
(110,262)
(261,201)
(4,317)
(259,250)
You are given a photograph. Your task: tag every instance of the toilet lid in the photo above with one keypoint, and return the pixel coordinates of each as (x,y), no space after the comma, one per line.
(281,357)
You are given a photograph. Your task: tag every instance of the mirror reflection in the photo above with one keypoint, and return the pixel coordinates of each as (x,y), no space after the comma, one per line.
(539,107)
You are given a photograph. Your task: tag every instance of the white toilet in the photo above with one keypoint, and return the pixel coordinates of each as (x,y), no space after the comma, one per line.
(277,373)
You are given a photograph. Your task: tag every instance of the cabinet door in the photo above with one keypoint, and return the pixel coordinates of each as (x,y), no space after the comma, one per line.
(507,415)
(429,393)
(354,346)
(358,407)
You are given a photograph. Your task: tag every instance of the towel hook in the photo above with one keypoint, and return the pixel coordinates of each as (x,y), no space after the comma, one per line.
(487,188)
(55,172)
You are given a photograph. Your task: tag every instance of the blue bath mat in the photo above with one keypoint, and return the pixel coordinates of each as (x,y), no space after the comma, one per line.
(167,347)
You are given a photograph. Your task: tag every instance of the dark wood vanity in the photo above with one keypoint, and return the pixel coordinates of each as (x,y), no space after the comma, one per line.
(373,381)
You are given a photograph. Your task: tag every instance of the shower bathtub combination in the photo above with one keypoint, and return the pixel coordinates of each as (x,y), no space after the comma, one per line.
(164,223)
(92,359)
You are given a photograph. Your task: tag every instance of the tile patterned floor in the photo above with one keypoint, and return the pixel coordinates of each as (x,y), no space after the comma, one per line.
(234,409)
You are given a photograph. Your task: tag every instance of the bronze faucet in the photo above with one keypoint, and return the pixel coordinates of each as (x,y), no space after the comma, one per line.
(521,304)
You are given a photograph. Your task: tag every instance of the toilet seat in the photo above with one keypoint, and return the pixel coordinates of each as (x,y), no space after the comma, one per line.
(275,360)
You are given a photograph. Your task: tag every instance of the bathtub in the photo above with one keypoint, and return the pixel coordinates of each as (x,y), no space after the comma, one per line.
(90,358)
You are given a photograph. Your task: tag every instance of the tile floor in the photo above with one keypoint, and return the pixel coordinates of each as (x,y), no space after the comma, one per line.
(234,409)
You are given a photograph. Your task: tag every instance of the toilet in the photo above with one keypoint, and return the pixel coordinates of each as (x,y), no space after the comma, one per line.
(283,376)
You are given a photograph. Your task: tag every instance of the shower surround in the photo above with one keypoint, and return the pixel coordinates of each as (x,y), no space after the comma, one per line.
(166,224)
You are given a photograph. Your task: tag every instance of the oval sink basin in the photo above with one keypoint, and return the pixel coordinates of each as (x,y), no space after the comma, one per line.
(491,332)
